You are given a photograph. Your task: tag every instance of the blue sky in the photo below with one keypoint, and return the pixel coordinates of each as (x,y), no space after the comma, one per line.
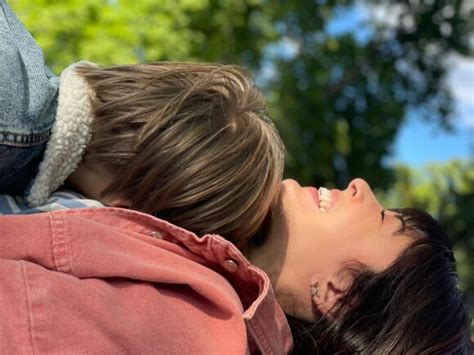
(419,143)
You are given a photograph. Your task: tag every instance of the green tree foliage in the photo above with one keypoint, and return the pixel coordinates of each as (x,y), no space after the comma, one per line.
(111,32)
(447,192)
(339,99)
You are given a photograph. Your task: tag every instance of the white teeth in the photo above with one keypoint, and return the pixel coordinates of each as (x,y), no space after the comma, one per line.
(324,191)
(325,204)
(325,199)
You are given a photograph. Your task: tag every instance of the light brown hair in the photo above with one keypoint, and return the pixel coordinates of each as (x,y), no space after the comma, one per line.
(189,143)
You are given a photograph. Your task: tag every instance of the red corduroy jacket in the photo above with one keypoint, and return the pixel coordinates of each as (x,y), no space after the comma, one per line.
(109,280)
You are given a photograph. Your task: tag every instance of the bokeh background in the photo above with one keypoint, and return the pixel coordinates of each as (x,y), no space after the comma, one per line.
(378,89)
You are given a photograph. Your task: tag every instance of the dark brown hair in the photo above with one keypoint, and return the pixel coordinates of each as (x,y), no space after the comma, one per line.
(413,307)
(189,143)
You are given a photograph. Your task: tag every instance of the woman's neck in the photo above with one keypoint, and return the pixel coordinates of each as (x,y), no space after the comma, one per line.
(269,255)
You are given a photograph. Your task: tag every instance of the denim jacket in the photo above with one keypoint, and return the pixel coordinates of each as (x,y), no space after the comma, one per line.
(28,103)
(44,120)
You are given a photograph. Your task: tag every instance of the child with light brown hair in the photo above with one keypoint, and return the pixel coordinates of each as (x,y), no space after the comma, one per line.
(189,143)
(185,142)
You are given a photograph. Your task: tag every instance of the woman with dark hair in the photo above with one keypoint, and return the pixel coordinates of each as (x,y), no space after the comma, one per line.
(355,278)
(352,278)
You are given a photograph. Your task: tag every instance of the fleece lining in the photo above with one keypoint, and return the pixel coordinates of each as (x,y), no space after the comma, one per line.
(70,135)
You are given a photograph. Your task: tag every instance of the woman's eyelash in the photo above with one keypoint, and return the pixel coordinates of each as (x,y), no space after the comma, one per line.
(382,212)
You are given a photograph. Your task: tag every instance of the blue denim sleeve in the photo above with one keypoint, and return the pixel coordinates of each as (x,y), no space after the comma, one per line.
(28,100)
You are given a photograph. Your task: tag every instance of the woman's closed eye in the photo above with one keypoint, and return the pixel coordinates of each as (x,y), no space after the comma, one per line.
(397,215)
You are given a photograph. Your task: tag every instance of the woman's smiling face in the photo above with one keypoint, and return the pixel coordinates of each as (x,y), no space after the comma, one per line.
(316,235)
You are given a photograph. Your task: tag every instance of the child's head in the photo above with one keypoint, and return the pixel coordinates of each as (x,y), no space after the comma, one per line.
(189,143)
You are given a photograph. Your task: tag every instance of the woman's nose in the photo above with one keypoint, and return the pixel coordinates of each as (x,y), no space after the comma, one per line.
(358,189)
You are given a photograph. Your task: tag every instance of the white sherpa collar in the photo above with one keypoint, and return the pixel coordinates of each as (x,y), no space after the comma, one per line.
(70,135)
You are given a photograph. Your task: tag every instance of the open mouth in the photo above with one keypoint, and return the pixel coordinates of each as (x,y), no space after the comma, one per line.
(325,199)
(322,197)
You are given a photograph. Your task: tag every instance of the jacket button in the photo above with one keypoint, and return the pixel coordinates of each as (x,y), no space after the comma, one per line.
(230,265)
(156,234)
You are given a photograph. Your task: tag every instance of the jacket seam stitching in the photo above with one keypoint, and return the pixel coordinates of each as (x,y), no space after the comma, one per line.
(61,252)
(260,337)
(23,139)
(28,303)
(66,244)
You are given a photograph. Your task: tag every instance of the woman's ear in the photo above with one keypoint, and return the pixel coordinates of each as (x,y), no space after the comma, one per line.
(326,292)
